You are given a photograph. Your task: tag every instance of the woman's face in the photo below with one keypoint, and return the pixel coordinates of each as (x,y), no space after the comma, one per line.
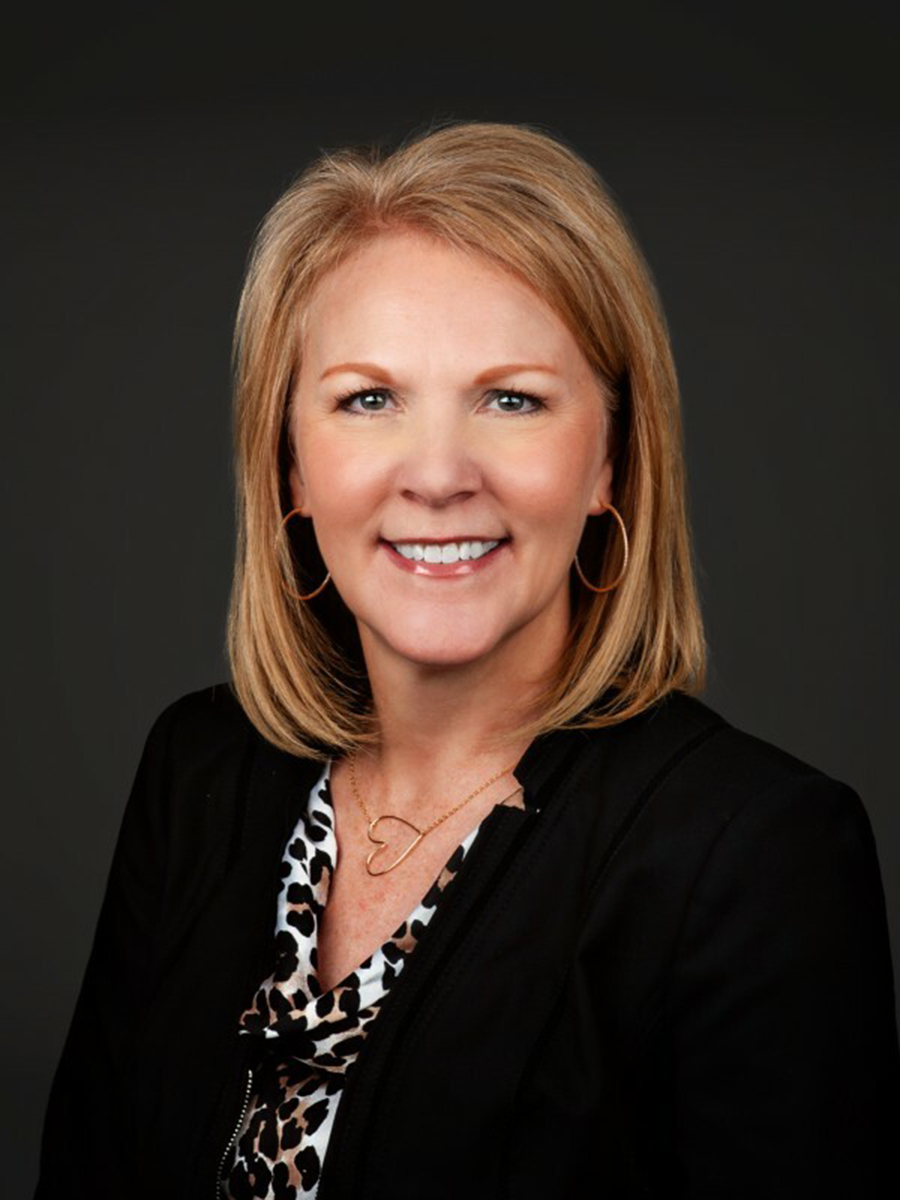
(438,448)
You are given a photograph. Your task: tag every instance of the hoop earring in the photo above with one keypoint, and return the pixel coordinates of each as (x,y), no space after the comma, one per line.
(621,576)
(290,591)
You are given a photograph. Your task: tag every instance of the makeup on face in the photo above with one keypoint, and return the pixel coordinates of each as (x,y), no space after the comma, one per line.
(447,559)
(448,447)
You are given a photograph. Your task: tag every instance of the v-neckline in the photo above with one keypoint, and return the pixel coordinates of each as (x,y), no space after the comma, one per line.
(370,971)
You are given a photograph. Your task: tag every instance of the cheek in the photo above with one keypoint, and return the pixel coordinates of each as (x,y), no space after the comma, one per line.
(344,491)
(548,489)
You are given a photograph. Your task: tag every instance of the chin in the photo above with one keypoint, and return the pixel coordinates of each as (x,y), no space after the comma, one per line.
(437,651)
(445,656)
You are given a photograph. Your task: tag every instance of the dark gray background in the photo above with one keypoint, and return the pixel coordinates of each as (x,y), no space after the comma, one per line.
(753,150)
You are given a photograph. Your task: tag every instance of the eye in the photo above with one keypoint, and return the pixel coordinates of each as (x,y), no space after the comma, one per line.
(347,399)
(526,396)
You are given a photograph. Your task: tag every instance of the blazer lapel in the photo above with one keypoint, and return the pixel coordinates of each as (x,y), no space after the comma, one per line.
(541,771)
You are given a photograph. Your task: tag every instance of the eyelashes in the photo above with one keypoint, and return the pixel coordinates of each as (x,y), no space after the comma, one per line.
(346,399)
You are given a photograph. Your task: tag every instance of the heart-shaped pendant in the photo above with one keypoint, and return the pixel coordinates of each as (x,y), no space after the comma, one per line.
(381,844)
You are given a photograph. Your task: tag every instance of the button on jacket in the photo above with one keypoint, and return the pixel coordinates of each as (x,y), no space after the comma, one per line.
(667,975)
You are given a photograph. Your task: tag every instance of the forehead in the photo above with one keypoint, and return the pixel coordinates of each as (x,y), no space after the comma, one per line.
(413,297)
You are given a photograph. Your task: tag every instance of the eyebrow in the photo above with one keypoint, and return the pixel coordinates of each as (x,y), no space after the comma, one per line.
(376,372)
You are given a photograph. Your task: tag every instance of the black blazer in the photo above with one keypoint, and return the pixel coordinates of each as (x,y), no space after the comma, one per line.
(668,976)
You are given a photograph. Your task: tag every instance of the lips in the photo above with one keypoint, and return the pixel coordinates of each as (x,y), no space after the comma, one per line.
(400,545)
(414,541)
(440,570)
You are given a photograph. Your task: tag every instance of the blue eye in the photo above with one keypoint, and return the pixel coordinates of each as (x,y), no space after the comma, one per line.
(535,400)
(345,401)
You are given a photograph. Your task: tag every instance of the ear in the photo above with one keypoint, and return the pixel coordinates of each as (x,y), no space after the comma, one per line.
(298,490)
(601,494)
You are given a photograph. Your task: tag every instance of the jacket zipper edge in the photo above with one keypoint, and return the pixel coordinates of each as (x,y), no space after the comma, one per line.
(235,1132)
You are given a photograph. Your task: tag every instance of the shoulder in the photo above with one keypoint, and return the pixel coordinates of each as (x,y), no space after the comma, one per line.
(212,710)
(741,834)
(697,766)
(206,725)
(694,728)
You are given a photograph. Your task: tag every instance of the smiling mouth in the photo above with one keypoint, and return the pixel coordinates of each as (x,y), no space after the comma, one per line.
(446,551)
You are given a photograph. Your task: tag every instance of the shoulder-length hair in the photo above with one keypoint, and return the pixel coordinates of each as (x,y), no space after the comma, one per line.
(531,205)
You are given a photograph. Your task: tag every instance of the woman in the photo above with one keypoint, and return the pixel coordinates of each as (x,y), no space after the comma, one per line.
(457,888)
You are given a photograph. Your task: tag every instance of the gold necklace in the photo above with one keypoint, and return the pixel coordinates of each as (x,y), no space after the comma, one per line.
(420,833)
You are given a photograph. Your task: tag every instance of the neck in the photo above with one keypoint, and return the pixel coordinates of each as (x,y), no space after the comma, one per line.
(441,727)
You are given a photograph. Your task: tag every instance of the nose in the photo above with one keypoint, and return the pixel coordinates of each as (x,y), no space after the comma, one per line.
(439,460)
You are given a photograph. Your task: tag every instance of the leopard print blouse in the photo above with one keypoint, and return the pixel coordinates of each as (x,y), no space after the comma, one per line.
(279,1149)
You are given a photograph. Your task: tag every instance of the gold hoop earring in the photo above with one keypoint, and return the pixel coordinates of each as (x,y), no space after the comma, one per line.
(621,576)
(290,591)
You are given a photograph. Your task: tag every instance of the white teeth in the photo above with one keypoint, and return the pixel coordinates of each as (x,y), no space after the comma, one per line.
(449,552)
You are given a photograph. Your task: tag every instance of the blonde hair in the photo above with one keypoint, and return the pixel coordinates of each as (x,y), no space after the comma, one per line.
(531,205)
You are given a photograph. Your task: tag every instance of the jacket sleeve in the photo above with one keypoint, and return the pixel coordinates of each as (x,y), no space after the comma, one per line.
(88,1145)
(780,1007)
